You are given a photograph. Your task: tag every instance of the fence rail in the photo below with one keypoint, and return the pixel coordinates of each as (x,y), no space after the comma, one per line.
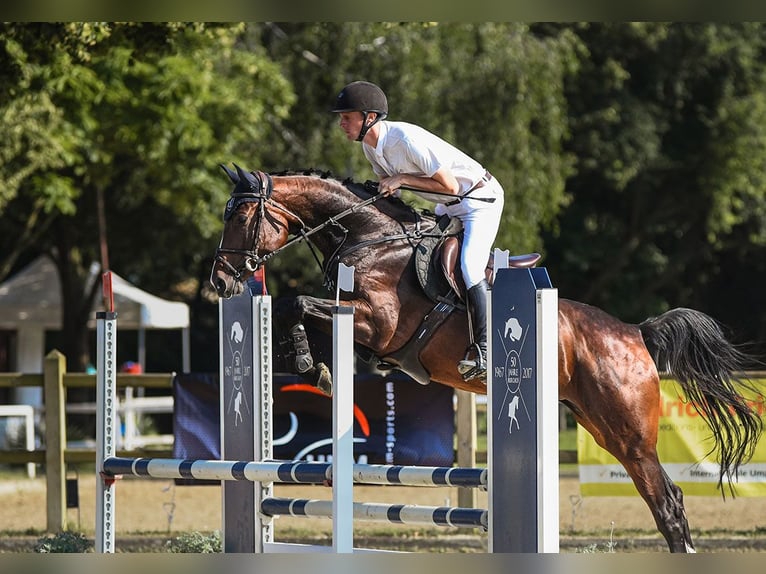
(55,381)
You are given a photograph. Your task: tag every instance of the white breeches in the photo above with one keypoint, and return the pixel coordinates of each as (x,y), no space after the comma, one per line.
(481,220)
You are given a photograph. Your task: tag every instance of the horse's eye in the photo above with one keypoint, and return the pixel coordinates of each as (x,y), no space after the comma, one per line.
(242,219)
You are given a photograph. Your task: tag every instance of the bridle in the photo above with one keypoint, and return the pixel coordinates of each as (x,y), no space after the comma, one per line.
(254,187)
(258,187)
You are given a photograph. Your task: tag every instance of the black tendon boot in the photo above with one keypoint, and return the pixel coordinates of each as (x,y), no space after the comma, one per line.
(474,364)
(303,359)
(304,365)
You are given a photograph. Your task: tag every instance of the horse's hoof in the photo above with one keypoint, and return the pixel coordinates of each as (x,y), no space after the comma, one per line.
(324,379)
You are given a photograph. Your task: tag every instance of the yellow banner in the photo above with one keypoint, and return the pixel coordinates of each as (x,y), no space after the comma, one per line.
(684,441)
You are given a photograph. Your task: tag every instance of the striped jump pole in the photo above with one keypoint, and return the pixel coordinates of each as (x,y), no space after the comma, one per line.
(376,512)
(295,472)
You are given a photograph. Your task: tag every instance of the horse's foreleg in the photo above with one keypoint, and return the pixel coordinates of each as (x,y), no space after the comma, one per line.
(297,314)
(291,313)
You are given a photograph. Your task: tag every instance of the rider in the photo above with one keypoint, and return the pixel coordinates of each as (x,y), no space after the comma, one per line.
(404,155)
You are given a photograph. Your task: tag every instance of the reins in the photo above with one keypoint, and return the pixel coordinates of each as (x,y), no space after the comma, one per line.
(305,233)
(252,260)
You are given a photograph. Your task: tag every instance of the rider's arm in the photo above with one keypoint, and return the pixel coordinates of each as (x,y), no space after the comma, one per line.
(442,181)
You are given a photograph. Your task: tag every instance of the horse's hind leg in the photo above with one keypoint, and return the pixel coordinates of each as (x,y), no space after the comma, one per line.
(665,500)
(627,428)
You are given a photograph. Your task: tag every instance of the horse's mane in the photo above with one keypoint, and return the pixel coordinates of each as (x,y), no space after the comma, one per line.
(393,207)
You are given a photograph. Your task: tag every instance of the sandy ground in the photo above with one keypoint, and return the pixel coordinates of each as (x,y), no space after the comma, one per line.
(162,507)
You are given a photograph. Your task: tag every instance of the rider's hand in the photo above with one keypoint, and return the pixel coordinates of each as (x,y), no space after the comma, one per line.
(389,186)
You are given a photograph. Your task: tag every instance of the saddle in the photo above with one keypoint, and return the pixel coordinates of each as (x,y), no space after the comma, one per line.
(437,262)
(437,266)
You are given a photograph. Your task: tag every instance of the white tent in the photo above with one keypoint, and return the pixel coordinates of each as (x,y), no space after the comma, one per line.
(30,304)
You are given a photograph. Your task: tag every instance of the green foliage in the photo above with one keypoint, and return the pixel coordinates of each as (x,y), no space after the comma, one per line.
(196,543)
(141,114)
(666,121)
(631,154)
(62,543)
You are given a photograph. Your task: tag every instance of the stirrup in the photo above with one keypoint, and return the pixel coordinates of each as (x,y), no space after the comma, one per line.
(476,373)
(473,368)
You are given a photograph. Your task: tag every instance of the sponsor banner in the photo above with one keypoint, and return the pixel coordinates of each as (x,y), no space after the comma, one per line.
(683,445)
(396,420)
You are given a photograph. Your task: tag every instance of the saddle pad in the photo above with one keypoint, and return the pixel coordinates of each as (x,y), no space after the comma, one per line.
(430,275)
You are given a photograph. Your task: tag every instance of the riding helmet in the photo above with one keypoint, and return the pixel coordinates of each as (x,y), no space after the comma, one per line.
(361,97)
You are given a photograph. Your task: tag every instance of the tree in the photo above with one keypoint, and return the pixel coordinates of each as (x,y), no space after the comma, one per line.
(667,122)
(493,89)
(141,113)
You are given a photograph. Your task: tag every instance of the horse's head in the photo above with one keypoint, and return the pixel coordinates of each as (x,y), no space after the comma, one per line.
(252,229)
(266,214)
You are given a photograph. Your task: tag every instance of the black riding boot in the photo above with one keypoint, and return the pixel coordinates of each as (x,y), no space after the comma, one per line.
(474,364)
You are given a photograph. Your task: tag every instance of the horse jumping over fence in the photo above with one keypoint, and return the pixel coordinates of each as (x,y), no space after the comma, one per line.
(413,319)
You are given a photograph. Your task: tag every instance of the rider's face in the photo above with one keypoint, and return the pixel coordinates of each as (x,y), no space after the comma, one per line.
(351,124)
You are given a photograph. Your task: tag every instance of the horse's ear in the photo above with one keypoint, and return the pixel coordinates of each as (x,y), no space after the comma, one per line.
(232,176)
(244,176)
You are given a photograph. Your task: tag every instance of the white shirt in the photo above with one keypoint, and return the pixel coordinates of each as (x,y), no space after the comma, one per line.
(406,148)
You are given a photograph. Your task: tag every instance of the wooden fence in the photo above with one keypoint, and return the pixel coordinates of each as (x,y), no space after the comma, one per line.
(55,456)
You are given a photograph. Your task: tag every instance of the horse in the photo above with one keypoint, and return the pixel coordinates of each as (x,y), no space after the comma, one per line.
(609,370)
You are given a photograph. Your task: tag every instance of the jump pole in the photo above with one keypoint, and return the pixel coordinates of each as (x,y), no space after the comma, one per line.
(522,401)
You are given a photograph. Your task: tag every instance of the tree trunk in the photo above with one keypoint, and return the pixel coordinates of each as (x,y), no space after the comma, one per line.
(77,296)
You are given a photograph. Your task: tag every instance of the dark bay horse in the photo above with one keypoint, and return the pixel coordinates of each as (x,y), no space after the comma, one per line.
(608,370)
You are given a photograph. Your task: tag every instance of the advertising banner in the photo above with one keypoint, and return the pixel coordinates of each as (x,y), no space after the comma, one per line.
(683,445)
(396,420)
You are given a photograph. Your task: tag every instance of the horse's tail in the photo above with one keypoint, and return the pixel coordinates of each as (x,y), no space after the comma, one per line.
(691,346)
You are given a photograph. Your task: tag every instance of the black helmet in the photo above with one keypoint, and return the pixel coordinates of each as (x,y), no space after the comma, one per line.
(362,97)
